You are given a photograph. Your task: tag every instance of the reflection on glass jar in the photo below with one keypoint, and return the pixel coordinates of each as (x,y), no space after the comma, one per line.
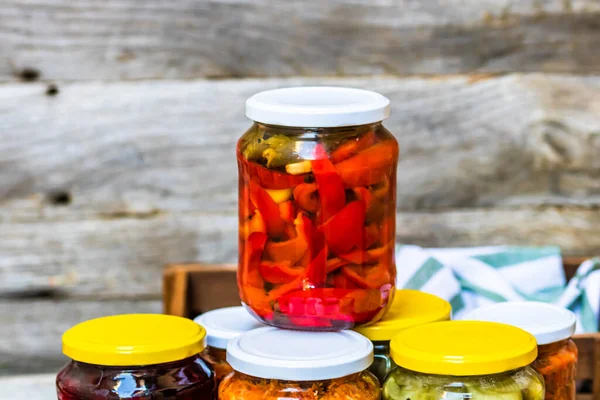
(221,326)
(552,327)
(464,360)
(409,308)
(317,195)
(141,356)
(273,364)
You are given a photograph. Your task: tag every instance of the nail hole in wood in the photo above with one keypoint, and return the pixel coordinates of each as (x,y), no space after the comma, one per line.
(52,90)
(59,198)
(29,74)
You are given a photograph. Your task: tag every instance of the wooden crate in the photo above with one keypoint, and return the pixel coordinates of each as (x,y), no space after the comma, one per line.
(191,289)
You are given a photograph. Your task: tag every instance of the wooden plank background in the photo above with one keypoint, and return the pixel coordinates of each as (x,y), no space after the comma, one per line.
(127,162)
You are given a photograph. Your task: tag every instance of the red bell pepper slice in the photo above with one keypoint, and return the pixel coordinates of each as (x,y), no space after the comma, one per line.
(253,250)
(334,264)
(305,195)
(369,277)
(255,224)
(330,186)
(352,146)
(294,249)
(316,272)
(268,178)
(287,210)
(281,272)
(370,166)
(344,230)
(268,209)
(371,235)
(359,256)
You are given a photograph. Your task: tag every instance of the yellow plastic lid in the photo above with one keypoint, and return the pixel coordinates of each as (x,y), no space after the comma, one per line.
(409,308)
(133,339)
(463,348)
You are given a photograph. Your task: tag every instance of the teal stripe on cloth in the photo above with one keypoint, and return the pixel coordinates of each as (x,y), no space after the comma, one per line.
(587,317)
(457,303)
(510,257)
(424,274)
(466,285)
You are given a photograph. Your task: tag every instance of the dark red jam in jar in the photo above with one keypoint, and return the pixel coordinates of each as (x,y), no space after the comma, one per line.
(135,356)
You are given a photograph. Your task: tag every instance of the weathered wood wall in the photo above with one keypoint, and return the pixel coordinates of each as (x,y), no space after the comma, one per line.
(127,163)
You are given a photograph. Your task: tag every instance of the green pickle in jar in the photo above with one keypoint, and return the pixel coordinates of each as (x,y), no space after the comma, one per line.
(463,360)
(409,308)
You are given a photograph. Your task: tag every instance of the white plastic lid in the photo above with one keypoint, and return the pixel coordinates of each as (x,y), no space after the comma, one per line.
(315,107)
(272,353)
(224,324)
(547,322)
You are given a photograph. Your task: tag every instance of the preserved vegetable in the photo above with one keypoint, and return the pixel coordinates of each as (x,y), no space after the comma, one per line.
(464,360)
(552,327)
(317,217)
(272,364)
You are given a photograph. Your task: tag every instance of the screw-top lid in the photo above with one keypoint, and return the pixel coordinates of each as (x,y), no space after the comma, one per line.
(547,322)
(463,348)
(272,353)
(317,107)
(224,324)
(133,339)
(409,308)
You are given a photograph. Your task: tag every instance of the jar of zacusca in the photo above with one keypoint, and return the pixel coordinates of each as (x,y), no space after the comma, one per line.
(221,326)
(317,195)
(552,327)
(272,364)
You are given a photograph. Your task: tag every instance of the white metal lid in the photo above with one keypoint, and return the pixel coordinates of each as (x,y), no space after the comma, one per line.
(272,353)
(319,106)
(547,322)
(224,324)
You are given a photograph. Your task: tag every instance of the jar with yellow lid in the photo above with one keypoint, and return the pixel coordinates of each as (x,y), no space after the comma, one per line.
(409,308)
(141,356)
(462,360)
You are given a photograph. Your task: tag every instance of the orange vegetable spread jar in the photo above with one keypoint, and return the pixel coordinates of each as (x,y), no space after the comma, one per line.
(552,327)
(273,364)
(221,326)
(317,195)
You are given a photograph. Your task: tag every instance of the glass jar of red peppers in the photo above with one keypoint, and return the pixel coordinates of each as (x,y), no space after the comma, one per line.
(552,327)
(221,326)
(317,194)
(141,356)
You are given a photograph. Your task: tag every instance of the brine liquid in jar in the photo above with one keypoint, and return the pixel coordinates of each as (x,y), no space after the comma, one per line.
(317,195)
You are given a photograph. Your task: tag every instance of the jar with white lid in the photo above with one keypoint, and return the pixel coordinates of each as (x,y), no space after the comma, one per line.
(221,326)
(271,363)
(552,326)
(317,196)
(409,308)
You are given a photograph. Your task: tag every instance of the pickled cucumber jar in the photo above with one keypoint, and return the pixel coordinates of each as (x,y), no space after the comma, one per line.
(552,327)
(409,308)
(464,360)
(141,356)
(317,195)
(221,326)
(272,364)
